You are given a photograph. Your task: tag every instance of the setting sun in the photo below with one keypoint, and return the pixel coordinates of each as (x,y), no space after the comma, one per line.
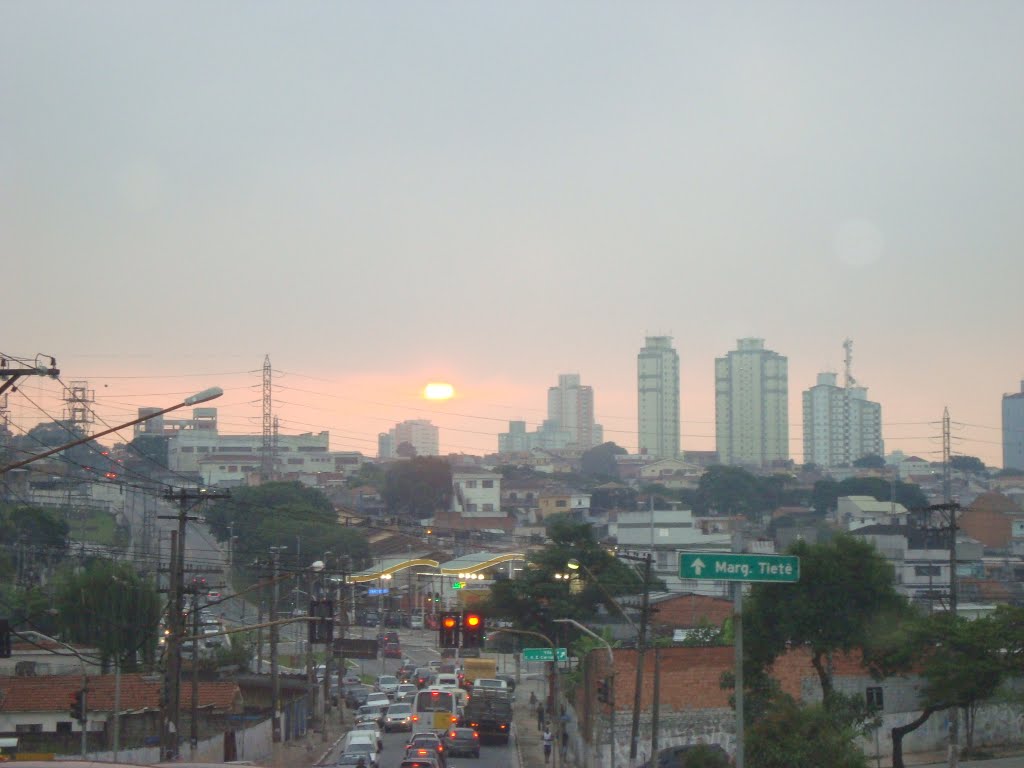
(437,390)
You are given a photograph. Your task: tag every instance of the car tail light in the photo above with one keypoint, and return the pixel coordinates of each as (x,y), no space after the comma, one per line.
(415,718)
(503,726)
(451,735)
(477,735)
(455,719)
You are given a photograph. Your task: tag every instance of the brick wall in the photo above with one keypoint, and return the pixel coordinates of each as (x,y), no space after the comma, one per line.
(686,611)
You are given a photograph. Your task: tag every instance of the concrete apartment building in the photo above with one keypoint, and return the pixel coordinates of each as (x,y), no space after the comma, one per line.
(840,424)
(476,492)
(657,381)
(419,433)
(751,405)
(1013,429)
(571,407)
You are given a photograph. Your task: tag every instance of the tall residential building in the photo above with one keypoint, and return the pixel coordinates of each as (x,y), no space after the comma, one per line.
(1013,430)
(571,408)
(840,424)
(657,382)
(751,405)
(419,433)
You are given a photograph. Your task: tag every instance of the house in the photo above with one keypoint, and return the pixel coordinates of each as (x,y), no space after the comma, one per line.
(854,512)
(994,520)
(37,710)
(914,466)
(476,492)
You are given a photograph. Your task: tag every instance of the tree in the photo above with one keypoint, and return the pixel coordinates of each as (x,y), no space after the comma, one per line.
(599,461)
(406,450)
(812,736)
(418,487)
(152,448)
(729,491)
(869,461)
(32,526)
(845,587)
(970,464)
(273,513)
(109,606)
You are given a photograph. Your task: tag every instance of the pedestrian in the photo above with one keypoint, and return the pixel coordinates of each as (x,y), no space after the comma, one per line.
(540,716)
(563,747)
(547,737)
(533,699)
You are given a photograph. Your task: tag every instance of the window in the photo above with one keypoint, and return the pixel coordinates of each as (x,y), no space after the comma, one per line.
(63,726)
(295,461)
(561,503)
(471,507)
(28,728)
(469,484)
(187,449)
(927,570)
(488,507)
(873,695)
(486,483)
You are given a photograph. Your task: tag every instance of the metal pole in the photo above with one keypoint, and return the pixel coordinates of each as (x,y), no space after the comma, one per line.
(737,627)
(954,722)
(194,717)
(656,704)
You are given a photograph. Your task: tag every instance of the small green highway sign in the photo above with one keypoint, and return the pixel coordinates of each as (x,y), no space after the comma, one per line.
(544,654)
(458,584)
(725,566)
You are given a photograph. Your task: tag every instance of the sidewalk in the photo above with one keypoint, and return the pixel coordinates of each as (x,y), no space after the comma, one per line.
(312,749)
(528,736)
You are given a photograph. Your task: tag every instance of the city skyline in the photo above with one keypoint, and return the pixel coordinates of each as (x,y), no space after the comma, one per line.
(379,197)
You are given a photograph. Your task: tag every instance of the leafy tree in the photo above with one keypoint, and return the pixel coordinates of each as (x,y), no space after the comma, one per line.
(368,474)
(1010,472)
(33,526)
(729,491)
(810,612)
(869,461)
(406,450)
(536,597)
(599,461)
(812,736)
(108,605)
(150,447)
(418,487)
(271,514)
(967,464)
(613,498)
(963,662)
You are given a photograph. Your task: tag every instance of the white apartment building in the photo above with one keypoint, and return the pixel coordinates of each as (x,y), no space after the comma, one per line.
(751,405)
(571,407)
(419,433)
(840,424)
(657,381)
(855,512)
(476,493)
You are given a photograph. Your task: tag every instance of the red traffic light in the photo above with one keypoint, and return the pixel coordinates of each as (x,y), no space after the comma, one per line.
(472,620)
(448,622)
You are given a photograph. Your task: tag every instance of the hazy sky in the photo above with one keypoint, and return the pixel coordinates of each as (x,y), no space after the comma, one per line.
(381,194)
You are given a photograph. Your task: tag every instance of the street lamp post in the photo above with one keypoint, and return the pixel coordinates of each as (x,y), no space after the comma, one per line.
(611,685)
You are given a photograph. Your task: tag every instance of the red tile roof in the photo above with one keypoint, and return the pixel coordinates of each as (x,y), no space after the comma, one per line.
(53,693)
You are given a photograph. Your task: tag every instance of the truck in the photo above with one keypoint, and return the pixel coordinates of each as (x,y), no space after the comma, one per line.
(475,668)
(489,711)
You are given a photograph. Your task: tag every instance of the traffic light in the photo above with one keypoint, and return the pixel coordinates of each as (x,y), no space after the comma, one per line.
(77,710)
(320,625)
(448,630)
(472,630)
(604,691)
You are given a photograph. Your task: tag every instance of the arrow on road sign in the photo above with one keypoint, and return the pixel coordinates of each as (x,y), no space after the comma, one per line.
(698,566)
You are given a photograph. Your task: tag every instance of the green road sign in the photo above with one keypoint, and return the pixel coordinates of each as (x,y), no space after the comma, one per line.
(544,654)
(723,566)
(458,584)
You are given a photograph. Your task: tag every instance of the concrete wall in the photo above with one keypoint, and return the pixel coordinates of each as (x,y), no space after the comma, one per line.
(254,743)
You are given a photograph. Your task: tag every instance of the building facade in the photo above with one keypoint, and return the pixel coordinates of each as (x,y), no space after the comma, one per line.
(657,381)
(840,424)
(571,407)
(1013,430)
(751,405)
(419,433)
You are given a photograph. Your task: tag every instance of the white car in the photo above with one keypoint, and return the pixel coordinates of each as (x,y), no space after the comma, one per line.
(371,729)
(403,690)
(378,698)
(387,684)
(366,749)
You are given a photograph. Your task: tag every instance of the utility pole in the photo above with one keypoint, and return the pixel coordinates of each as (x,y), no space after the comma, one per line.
(275,678)
(954,718)
(187,499)
(737,632)
(12,369)
(267,455)
(194,719)
(641,644)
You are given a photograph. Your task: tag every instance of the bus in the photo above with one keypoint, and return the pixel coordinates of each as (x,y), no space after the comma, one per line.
(434,709)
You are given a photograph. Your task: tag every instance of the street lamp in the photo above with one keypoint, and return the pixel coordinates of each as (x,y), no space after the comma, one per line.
(200,397)
(611,687)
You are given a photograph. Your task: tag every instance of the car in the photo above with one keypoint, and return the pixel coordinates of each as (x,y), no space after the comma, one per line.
(355,695)
(392,651)
(435,664)
(420,762)
(367,749)
(421,676)
(510,681)
(350,761)
(398,718)
(405,672)
(416,621)
(462,741)
(444,680)
(371,713)
(378,697)
(372,730)
(371,620)
(387,684)
(429,741)
(403,690)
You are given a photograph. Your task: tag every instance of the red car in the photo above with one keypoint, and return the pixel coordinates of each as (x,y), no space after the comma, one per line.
(392,651)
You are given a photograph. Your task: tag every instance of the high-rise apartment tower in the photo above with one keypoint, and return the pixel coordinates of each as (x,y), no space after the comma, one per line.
(751,405)
(840,424)
(1013,430)
(571,408)
(657,383)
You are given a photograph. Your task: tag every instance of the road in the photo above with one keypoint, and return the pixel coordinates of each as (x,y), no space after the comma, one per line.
(419,647)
